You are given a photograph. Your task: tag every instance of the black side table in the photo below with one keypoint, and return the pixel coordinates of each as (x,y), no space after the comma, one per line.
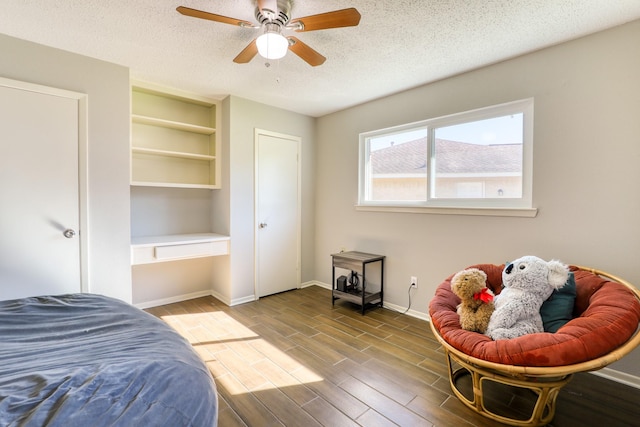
(357,262)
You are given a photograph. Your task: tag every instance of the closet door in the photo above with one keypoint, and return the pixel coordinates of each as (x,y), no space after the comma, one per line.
(277,212)
(39,193)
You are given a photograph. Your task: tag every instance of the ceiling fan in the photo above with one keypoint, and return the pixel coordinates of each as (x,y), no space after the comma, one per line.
(273,17)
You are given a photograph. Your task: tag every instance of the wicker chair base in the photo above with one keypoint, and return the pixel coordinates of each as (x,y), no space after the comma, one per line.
(545,389)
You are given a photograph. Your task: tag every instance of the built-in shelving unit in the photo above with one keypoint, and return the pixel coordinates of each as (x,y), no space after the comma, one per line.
(174,139)
(175,167)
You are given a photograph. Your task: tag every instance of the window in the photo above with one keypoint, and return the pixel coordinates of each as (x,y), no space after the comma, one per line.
(476,159)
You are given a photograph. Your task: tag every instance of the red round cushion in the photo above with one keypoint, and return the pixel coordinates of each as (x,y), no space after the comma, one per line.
(606,315)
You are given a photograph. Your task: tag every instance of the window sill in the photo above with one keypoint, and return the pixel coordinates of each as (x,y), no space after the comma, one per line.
(514,212)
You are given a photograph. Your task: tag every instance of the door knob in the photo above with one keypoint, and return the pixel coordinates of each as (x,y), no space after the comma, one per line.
(68,233)
(262,225)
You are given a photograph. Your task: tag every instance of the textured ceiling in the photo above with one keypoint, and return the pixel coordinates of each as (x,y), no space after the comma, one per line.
(399,44)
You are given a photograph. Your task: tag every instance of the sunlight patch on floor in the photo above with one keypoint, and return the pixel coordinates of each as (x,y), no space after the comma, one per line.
(230,350)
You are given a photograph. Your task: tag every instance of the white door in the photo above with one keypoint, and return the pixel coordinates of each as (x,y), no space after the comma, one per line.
(277,213)
(39,194)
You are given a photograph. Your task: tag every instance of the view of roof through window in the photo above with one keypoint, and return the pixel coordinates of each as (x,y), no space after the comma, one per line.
(477,159)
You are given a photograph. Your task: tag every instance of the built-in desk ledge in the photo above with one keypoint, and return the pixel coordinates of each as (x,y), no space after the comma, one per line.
(150,249)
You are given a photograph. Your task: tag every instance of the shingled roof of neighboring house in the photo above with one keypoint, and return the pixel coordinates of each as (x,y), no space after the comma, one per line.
(452,157)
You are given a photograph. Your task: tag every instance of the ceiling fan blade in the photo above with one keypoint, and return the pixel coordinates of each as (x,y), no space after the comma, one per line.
(187,11)
(247,53)
(338,18)
(307,54)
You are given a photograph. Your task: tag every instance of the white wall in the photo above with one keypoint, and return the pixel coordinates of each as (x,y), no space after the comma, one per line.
(159,211)
(234,281)
(586,174)
(107,86)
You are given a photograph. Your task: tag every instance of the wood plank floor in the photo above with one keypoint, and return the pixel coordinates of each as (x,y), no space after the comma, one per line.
(291,359)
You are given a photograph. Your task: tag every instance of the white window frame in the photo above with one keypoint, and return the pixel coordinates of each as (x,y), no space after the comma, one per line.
(522,206)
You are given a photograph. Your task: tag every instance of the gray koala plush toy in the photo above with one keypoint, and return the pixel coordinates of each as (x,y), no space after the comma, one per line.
(528,282)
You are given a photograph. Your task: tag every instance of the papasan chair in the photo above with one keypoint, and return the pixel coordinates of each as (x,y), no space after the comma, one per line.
(601,329)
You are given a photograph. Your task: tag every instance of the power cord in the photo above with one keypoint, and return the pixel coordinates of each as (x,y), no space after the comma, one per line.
(354,280)
(408,293)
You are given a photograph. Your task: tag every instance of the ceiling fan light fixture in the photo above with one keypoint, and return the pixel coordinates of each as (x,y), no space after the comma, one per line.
(272,44)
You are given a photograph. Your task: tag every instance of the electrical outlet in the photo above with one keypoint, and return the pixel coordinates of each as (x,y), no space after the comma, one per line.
(414,282)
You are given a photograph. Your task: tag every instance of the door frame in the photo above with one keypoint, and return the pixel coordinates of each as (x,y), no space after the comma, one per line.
(83,172)
(256,218)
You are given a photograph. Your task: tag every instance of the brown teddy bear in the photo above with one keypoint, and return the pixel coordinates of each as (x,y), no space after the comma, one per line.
(476,300)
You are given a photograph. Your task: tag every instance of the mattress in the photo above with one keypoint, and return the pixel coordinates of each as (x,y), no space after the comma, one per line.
(90,360)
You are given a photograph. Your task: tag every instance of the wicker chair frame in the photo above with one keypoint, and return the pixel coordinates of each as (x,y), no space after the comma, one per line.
(544,382)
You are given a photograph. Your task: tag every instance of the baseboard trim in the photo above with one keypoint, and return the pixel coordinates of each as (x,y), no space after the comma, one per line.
(232,302)
(403,310)
(242,300)
(171,300)
(315,283)
(619,377)
(184,297)
(220,298)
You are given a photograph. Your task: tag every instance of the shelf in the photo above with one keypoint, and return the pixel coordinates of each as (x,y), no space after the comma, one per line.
(180,154)
(172,185)
(187,127)
(170,93)
(183,171)
(356,297)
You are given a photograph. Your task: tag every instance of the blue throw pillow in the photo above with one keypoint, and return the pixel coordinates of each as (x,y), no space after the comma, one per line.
(558,309)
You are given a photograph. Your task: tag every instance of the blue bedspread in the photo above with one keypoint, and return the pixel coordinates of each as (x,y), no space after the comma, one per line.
(88,360)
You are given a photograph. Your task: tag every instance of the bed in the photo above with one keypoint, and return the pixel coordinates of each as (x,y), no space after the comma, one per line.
(84,359)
